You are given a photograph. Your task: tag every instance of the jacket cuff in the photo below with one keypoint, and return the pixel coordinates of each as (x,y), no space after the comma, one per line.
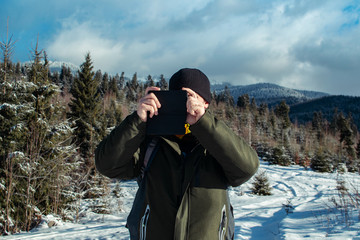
(203,123)
(133,120)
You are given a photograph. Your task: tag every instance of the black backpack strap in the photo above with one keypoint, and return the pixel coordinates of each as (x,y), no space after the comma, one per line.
(149,156)
(149,152)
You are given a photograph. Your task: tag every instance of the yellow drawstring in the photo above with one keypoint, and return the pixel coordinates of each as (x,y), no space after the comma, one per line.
(187,128)
(187,131)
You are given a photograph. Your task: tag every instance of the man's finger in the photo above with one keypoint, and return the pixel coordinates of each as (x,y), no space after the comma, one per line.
(190,92)
(153,103)
(155,99)
(148,89)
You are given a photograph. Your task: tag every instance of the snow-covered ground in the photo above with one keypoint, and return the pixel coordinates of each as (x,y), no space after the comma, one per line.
(300,207)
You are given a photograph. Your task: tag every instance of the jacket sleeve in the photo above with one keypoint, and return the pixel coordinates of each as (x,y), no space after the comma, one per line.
(116,156)
(237,158)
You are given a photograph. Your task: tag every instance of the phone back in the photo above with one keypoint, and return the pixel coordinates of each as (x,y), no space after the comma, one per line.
(172,114)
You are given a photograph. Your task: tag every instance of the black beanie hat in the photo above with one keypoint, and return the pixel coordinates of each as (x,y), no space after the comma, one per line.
(191,78)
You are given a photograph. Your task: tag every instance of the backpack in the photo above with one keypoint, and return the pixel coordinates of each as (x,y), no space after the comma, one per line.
(135,213)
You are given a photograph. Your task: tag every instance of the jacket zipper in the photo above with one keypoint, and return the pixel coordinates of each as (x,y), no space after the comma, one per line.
(222,227)
(183,163)
(143,223)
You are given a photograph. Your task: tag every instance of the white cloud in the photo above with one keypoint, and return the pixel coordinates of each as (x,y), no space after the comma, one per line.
(304,44)
(74,42)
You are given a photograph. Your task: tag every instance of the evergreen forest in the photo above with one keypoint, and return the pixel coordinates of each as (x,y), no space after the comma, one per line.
(51,123)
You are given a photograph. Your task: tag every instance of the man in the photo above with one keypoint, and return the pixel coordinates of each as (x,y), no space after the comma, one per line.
(183,194)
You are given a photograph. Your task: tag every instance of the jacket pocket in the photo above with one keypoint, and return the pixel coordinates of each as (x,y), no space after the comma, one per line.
(144,222)
(222,227)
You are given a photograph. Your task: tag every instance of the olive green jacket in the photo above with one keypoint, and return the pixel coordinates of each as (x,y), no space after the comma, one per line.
(182,196)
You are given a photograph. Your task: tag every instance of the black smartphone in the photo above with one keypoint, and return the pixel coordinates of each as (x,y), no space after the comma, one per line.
(171,116)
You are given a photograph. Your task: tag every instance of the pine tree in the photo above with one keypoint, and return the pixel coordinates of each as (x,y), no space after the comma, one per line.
(261,185)
(162,84)
(321,162)
(225,97)
(113,86)
(116,81)
(34,136)
(85,114)
(279,157)
(66,77)
(149,82)
(282,112)
(263,123)
(317,126)
(122,81)
(85,108)
(55,78)
(47,148)
(18,69)
(98,77)
(132,89)
(358,149)
(351,122)
(105,86)
(10,137)
(333,124)
(7,48)
(243,102)
(36,146)
(346,135)
(134,81)
(253,106)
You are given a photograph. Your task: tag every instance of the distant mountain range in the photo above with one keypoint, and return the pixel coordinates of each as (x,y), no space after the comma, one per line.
(270,93)
(56,66)
(302,103)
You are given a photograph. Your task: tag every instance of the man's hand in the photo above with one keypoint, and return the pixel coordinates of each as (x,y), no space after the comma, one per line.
(148,103)
(195,105)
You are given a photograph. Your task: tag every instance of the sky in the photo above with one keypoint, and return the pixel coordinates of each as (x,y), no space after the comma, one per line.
(301,44)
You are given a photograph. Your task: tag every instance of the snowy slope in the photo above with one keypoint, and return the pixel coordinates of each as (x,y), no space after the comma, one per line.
(306,194)
(269,93)
(270,90)
(55,66)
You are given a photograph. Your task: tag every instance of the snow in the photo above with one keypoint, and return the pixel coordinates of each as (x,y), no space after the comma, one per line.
(261,91)
(56,65)
(301,207)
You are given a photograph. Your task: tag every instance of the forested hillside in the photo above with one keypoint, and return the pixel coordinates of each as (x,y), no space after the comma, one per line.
(302,103)
(327,106)
(51,123)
